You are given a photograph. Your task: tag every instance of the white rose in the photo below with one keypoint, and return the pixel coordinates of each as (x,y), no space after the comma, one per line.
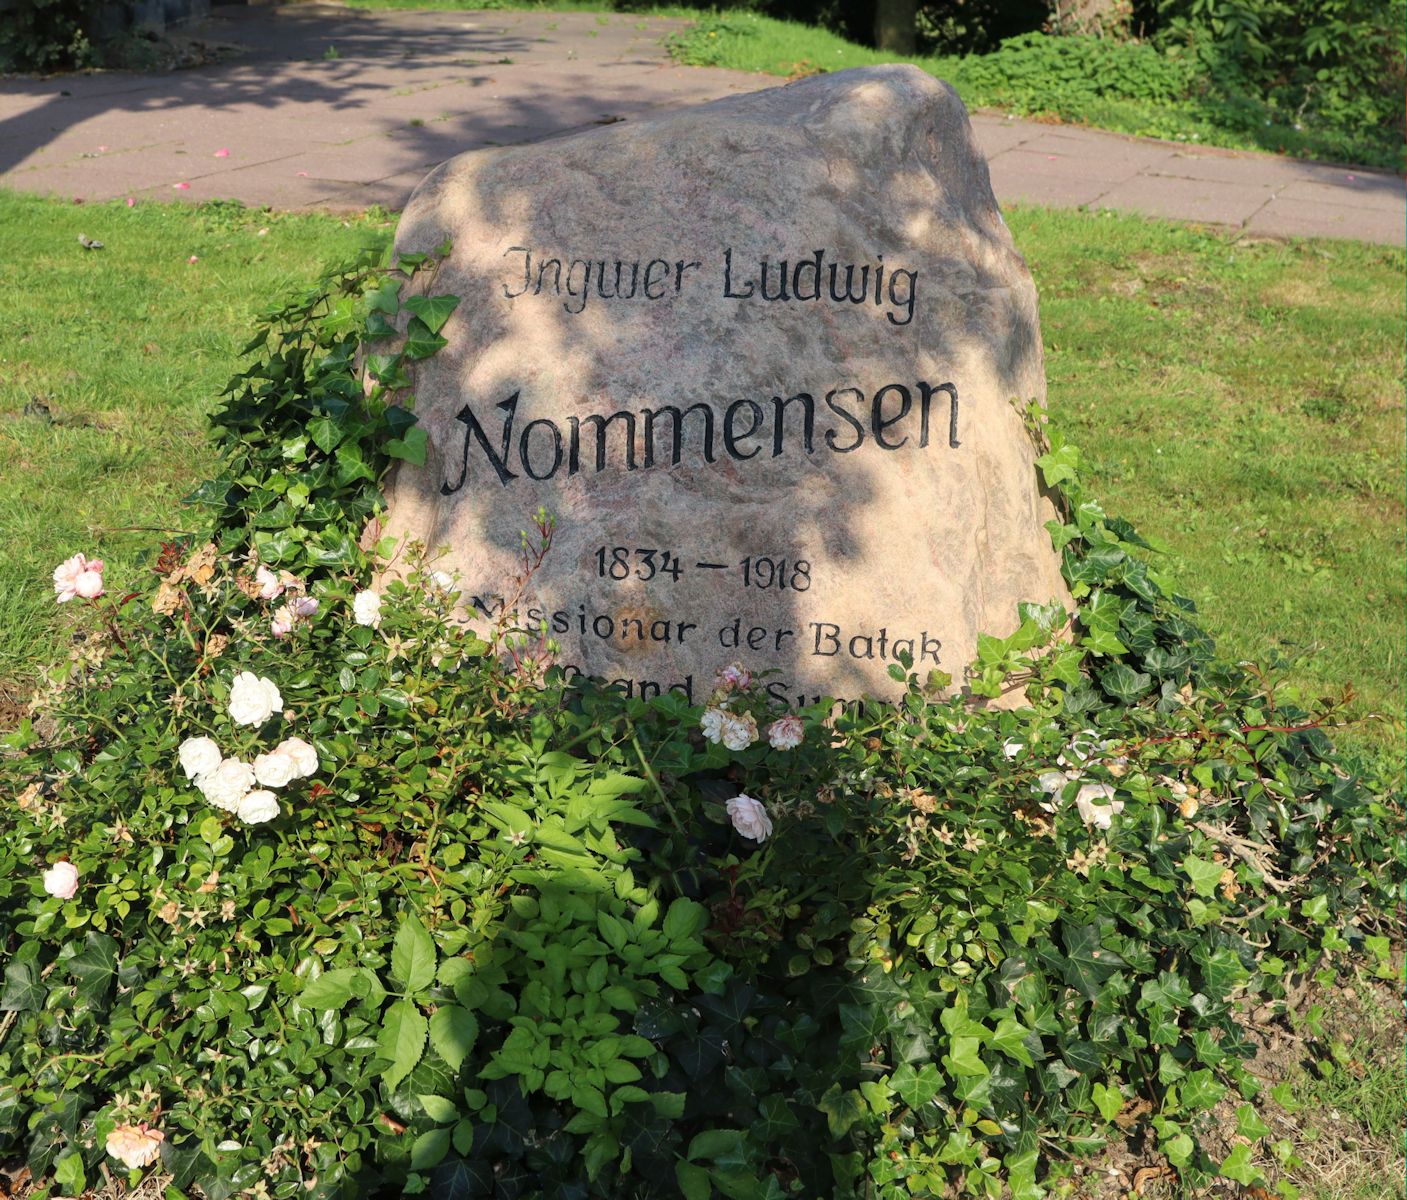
(749,818)
(198,756)
(276,769)
(1011,747)
(305,758)
(1097,805)
(712,724)
(227,784)
(366,608)
(253,699)
(1051,782)
(738,732)
(257,807)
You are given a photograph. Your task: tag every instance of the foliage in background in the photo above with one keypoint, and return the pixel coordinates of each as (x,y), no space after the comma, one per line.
(1312,98)
(41,35)
(505,941)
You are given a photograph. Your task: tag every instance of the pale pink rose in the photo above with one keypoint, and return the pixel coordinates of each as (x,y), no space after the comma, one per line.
(305,758)
(281,624)
(749,818)
(303,607)
(734,676)
(786,733)
(78,576)
(135,1146)
(61,880)
(270,586)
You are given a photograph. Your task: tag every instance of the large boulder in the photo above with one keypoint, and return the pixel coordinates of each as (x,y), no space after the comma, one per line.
(762,361)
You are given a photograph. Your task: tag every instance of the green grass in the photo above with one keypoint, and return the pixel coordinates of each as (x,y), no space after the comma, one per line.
(127,348)
(1042,82)
(1242,401)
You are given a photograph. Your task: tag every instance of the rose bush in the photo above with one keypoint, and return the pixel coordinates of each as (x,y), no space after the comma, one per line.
(377,904)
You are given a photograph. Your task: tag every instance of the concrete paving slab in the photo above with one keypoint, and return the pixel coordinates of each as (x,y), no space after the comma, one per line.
(339,108)
(1288,217)
(1370,198)
(1188,199)
(1012,179)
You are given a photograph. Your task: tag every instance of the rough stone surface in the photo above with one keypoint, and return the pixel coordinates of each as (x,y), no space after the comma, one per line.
(904,520)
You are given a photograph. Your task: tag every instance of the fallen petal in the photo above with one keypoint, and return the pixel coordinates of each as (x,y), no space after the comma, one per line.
(222,153)
(181,187)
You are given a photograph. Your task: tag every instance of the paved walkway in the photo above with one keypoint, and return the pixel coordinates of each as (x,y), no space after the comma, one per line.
(340,109)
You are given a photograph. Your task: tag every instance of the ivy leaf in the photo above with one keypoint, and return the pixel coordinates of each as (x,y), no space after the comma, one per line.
(453,1031)
(434,311)
(1124,683)
(1201,1090)
(411,448)
(964,1058)
(68,1174)
(1237,1166)
(1087,963)
(842,1109)
(24,992)
(1249,1124)
(916,1088)
(1109,1101)
(94,968)
(1059,465)
(1008,1038)
(775,1120)
(1205,876)
(326,433)
(421,341)
(413,956)
(402,1040)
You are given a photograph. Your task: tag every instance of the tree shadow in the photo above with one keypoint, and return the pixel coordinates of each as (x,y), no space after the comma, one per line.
(308,78)
(567,390)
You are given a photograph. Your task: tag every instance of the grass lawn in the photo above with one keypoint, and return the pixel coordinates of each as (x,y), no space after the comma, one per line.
(1242,401)
(1029,85)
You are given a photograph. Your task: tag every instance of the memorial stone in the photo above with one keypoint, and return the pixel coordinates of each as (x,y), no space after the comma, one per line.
(763,361)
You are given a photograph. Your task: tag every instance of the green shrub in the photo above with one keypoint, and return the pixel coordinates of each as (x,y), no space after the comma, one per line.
(499,934)
(1066,73)
(41,35)
(1328,67)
